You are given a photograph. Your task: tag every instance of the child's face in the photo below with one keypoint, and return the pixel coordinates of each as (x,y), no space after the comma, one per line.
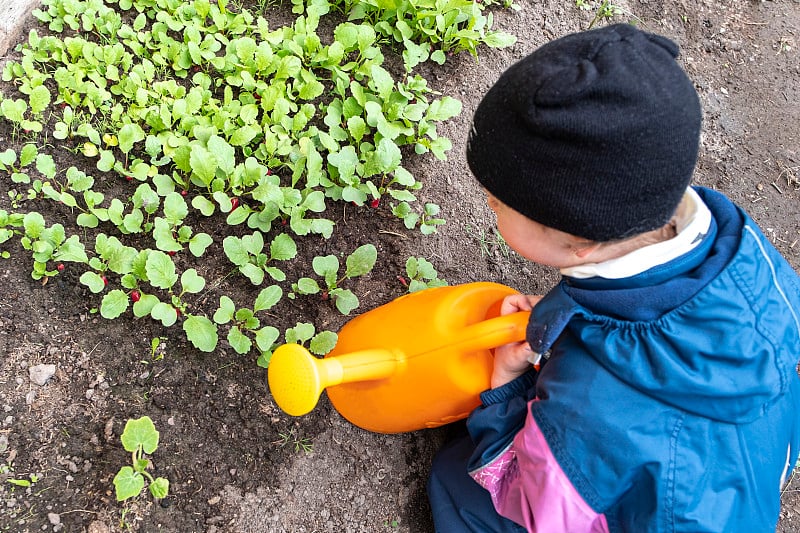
(536,242)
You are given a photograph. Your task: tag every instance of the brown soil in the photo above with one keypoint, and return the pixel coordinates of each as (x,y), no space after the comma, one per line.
(235,462)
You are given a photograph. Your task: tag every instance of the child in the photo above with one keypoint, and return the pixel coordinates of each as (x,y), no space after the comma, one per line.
(667,396)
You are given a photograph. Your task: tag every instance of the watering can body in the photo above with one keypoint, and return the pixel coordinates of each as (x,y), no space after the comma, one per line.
(420,361)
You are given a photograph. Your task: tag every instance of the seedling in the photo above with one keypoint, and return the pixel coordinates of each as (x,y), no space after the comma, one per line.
(299,443)
(422,274)
(360,262)
(603,10)
(428,220)
(32,478)
(247,253)
(488,242)
(139,438)
(244,321)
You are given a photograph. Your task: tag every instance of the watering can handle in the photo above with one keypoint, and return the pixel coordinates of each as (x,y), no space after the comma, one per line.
(494,332)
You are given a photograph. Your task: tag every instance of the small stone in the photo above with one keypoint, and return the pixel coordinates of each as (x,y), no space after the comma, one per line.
(54,518)
(41,374)
(214,501)
(30,397)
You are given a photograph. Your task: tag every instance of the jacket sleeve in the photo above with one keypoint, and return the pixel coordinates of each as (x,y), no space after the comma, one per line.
(502,412)
(514,463)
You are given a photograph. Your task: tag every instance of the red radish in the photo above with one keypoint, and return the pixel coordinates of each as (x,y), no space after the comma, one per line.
(171,253)
(402,281)
(177,311)
(184,192)
(375,203)
(105,281)
(135,296)
(234,203)
(60,267)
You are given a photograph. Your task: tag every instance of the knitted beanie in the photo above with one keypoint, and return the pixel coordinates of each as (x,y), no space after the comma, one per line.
(595,134)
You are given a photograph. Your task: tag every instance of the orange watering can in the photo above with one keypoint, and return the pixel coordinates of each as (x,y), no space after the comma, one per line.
(420,361)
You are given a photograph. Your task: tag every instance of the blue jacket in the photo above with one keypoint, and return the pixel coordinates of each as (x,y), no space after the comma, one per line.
(669,400)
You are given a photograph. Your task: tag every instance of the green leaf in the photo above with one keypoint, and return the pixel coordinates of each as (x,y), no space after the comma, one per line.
(114,304)
(275,273)
(93,281)
(323,342)
(223,152)
(34,224)
(145,305)
(203,163)
(382,81)
(242,136)
(302,332)
(346,34)
(326,266)
(28,154)
(204,205)
(443,109)
(239,341)
(235,250)
(387,155)
(201,332)
(140,432)
(198,243)
(361,261)
(128,135)
(127,483)
(7,158)
(499,39)
(39,99)
(267,298)
(165,313)
(308,286)
(160,270)
(266,337)
(253,273)
(159,488)
(225,312)
(192,282)
(283,247)
(345,300)
(71,250)
(175,208)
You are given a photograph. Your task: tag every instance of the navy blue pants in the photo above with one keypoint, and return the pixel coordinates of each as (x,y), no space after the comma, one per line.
(458,503)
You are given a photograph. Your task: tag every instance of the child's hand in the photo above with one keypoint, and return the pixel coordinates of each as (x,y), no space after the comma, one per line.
(511,360)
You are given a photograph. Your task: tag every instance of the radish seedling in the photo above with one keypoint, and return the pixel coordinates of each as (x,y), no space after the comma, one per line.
(360,262)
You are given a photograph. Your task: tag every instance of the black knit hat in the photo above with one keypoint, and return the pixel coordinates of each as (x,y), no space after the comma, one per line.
(594,134)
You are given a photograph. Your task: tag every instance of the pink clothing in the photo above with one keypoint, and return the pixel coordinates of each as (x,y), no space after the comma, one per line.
(543,499)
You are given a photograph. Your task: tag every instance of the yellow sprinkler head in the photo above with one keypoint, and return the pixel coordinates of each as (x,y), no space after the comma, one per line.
(294,379)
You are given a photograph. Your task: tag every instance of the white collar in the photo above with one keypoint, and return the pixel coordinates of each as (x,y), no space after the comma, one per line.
(692,220)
